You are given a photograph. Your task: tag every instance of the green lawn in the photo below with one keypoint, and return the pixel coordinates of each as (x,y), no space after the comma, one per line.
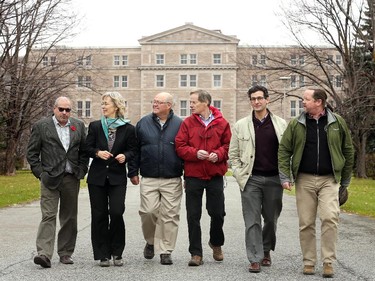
(24,187)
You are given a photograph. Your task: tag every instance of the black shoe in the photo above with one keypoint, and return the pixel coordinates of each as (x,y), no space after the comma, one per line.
(166,259)
(148,252)
(43,261)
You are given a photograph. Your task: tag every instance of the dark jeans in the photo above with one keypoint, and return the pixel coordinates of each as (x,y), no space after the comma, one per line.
(107,222)
(215,207)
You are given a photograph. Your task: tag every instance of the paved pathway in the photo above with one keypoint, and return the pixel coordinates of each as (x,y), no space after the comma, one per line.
(18,226)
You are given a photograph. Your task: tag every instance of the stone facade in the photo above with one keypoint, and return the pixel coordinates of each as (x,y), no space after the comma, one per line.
(178,61)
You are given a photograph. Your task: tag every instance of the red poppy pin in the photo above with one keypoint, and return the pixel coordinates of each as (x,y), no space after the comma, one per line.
(73,128)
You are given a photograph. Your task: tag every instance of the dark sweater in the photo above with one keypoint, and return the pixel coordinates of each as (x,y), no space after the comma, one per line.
(266,146)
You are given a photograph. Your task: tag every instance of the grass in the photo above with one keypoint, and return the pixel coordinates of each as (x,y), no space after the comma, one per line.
(20,189)
(24,188)
(361,199)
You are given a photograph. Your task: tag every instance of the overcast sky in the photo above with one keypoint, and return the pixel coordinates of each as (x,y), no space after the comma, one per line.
(121,23)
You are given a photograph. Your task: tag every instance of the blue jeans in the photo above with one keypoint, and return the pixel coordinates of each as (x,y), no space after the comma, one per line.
(215,207)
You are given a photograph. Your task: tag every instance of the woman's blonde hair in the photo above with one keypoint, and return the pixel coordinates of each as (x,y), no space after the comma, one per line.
(119,102)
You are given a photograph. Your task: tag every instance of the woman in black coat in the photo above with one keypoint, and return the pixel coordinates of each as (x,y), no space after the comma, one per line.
(111,142)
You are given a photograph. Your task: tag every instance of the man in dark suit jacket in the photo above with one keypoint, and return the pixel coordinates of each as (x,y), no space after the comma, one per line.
(57,157)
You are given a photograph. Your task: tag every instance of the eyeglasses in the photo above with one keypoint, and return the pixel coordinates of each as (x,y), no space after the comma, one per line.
(159,102)
(61,109)
(256,99)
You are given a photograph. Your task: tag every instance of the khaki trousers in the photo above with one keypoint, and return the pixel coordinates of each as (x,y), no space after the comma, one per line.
(67,195)
(160,212)
(317,195)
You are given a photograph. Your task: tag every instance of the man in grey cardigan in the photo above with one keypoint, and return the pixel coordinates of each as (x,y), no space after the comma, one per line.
(57,157)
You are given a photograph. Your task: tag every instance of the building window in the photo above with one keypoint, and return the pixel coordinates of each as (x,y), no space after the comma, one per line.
(79,108)
(188,80)
(263,59)
(183,59)
(53,61)
(183,80)
(330,59)
(263,81)
(88,109)
(84,81)
(84,61)
(193,80)
(217,58)
(301,60)
(84,112)
(45,61)
(254,80)
(338,81)
(124,81)
(331,79)
(254,59)
(296,108)
(338,59)
(116,81)
(184,108)
(217,80)
(116,60)
(302,81)
(293,81)
(293,59)
(217,104)
(193,58)
(159,80)
(159,58)
(124,60)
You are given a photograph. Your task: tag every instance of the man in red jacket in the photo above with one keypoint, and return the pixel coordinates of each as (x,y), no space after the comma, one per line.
(203,143)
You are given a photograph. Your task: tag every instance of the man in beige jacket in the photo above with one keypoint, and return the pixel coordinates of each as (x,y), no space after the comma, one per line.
(253,157)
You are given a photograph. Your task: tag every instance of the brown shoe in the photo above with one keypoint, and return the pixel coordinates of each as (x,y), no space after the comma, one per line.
(327,270)
(195,261)
(43,261)
(66,260)
(266,261)
(254,267)
(148,251)
(217,253)
(309,270)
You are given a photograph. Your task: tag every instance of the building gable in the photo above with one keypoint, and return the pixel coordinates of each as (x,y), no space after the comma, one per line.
(189,34)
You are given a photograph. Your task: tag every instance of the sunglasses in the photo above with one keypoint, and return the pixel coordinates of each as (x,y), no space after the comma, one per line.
(61,109)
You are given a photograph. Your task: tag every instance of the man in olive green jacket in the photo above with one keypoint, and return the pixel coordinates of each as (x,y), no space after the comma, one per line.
(316,151)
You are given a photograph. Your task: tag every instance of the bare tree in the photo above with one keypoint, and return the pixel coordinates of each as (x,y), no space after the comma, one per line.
(30,80)
(338,63)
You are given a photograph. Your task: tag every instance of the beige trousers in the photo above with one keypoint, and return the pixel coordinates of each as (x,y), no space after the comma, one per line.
(160,212)
(317,195)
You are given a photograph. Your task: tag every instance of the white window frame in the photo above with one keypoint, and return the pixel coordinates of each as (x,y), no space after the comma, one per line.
(124,81)
(216,59)
(159,80)
(159,59)
(183,59)
(218,104)
(217,80)
(193,58)
(263,59)
(184,108)
(116,81)
(124,60)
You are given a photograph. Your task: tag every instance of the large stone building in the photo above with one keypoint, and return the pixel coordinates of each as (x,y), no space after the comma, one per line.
(179,60)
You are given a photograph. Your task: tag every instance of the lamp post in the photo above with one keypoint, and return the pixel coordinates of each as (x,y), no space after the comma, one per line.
(285,79)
